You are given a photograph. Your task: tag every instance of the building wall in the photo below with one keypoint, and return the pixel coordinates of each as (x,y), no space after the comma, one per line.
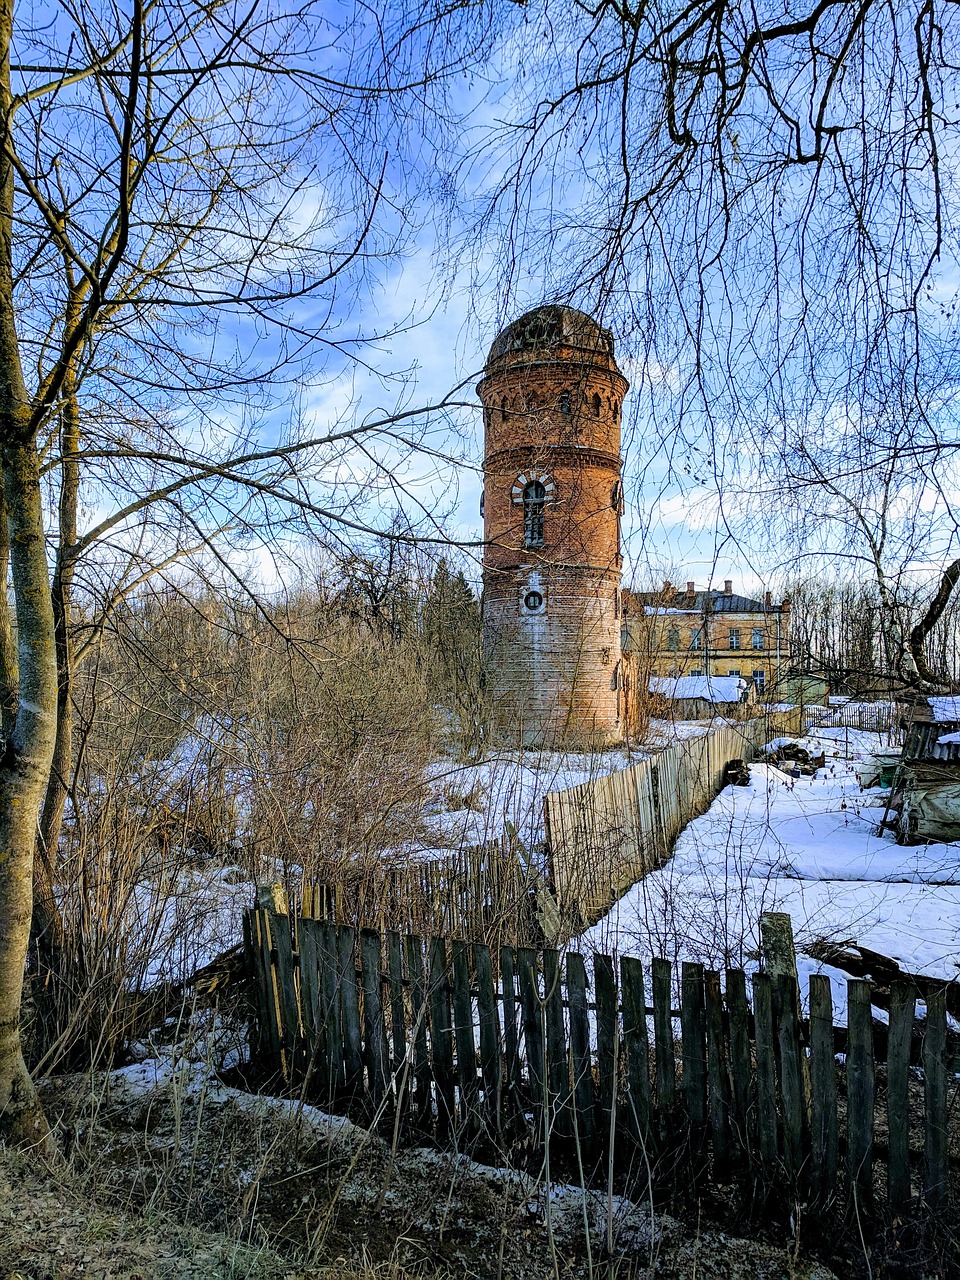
(649,630)
(552,409)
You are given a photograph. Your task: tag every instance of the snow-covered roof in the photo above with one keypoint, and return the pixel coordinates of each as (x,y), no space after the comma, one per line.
(945,709)
(710,688)
(948,739)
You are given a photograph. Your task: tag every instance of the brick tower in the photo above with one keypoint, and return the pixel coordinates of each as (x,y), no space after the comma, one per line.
(552,500)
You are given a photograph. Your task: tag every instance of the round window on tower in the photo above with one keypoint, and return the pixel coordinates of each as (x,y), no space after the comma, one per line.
(533,601)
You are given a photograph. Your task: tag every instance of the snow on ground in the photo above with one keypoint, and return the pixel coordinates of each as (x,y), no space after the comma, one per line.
(178,924)
(807,846)
(474,802)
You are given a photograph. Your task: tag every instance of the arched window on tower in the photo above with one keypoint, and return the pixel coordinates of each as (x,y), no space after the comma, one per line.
(597,402)
(503,409)
(534,499)
(565,402)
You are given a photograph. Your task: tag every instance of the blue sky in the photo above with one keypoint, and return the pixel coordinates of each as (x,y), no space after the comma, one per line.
(705,299)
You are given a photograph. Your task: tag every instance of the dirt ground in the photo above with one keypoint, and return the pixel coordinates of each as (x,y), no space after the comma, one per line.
(212,1184)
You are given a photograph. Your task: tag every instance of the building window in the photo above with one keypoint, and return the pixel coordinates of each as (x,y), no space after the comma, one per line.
(696,638)
(534,497)
(673,639)
(734,637)
(695,671)
(733,671)
(564,401)
(503,410)
(616,602)
(760,679)
(756,638)
(533,601)
(597,403)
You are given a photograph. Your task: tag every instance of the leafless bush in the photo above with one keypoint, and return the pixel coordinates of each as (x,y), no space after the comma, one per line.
(222,740)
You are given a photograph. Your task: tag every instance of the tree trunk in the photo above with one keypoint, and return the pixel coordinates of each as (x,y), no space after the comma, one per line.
(27,749)
(47,921)
(24,770)
(920,633)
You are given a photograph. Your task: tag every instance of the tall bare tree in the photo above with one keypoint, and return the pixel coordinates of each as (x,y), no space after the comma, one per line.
(190,196)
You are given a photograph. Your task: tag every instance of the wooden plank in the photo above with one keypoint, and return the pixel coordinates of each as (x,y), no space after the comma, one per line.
(310,1007)
(463,1031)
(287,993)
(741,1116)
(793,1094)
(693,1050)
(376,1057)
(902,1011)
(331,1034)
(605,989)
(398,1017)
(823,1102)
(666,1069)
(860,1095)
(508,993)
(558,1074)
(490,1058)
(767,1127)
(349,1009)
(718,1078)
(935,1096)
(420,1019)
(531,1007)
(637,1048)
(252,964)
(580,1063)
(267,989)
(441,1037)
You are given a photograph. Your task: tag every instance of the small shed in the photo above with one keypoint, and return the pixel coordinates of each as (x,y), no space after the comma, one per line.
(807,688)
(698,697)
(928,784)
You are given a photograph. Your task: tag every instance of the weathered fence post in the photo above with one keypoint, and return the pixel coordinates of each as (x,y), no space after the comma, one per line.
(666,1069)
(581,1073)
(693,1046)
(718,1079)
(375,1040)
(637,1048)
(902,1009)
(823,1071)
(935,1094)
(441,1037)
(860,1094)
(605,985)
(741,1074)
(766,1070)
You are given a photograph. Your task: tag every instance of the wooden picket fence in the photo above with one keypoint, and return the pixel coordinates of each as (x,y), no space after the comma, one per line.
(489,892)
(606,834)
(595,1062)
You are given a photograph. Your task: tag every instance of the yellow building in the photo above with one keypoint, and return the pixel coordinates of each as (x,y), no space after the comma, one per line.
(673,632)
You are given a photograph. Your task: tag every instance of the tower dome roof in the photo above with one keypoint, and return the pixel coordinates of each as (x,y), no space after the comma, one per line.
(551,326)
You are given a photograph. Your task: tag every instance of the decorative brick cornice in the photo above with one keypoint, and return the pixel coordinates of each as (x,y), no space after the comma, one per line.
(556,455)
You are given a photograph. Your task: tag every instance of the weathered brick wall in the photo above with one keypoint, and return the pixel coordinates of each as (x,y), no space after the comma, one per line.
(553,410)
